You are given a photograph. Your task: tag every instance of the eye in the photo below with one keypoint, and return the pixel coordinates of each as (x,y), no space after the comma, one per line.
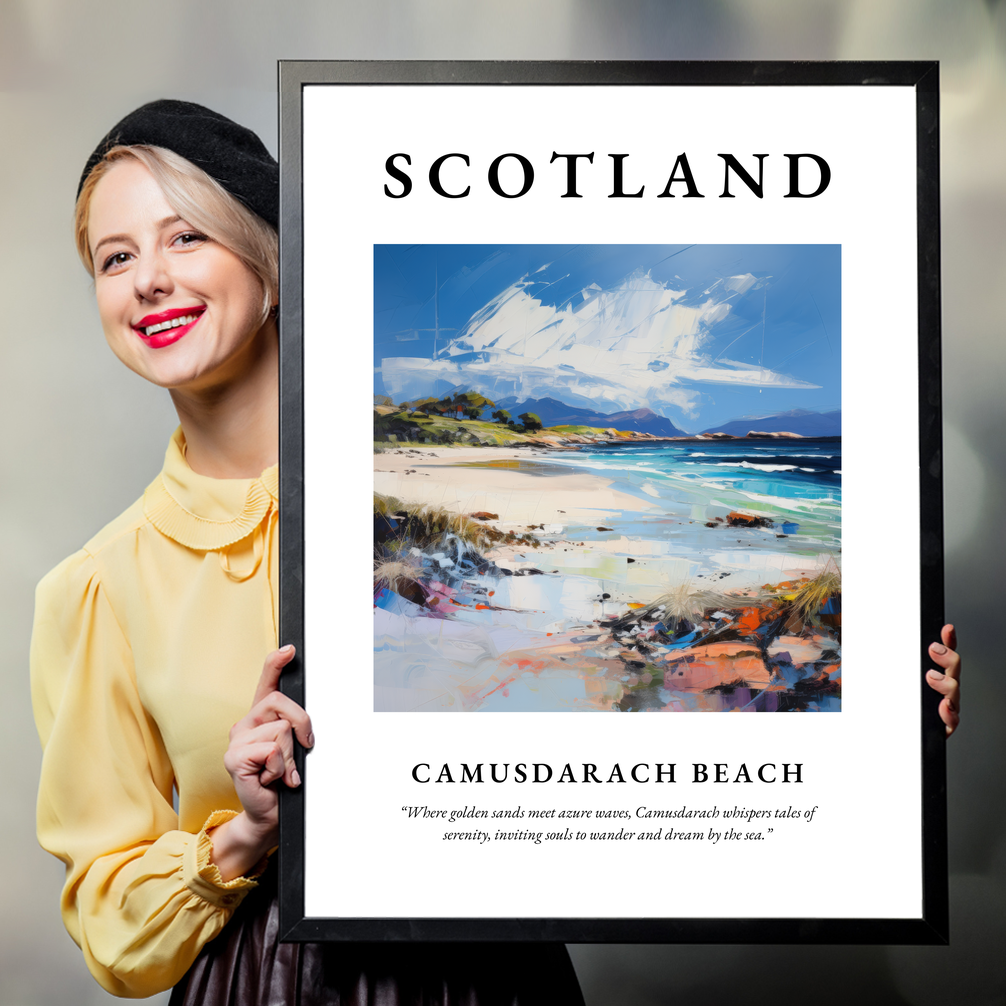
(115,261)
(189,239)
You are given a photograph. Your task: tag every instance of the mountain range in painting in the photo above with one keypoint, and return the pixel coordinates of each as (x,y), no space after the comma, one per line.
(803,422)
(555,413)
(552,412)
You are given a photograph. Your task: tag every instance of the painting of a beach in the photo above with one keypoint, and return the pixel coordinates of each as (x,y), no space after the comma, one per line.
(607,477)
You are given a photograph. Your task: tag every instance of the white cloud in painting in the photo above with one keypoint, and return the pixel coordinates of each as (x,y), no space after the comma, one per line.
(637,345)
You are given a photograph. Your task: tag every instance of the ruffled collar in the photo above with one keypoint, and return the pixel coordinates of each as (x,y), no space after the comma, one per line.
(203,513)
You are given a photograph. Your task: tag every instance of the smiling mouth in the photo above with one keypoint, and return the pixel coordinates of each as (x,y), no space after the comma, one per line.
(185,319)
(165,324)
(167,327)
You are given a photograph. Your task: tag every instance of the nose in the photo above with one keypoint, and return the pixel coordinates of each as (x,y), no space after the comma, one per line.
(152,276)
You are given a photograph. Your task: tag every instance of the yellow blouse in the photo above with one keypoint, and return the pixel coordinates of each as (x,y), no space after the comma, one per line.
(147,647)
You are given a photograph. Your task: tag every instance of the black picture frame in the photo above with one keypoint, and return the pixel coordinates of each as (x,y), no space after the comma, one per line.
(932,926)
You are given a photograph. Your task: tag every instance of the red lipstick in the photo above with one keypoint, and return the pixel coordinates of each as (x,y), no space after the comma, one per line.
(166,327)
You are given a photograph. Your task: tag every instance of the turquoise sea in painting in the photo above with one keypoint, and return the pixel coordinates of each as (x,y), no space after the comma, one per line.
(798,485)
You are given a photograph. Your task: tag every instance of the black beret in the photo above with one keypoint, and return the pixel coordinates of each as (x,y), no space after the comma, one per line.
(231,154)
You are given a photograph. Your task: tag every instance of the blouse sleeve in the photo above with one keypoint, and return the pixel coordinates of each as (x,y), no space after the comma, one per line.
(141,898)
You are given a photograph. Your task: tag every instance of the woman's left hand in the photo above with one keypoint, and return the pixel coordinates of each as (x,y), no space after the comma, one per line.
(947,682)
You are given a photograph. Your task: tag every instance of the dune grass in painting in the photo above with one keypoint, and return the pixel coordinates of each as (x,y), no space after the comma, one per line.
(554,537)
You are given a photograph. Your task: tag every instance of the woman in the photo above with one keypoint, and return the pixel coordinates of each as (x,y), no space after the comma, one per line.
(148,643)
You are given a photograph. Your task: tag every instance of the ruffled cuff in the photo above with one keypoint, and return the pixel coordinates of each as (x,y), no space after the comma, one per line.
(203,878)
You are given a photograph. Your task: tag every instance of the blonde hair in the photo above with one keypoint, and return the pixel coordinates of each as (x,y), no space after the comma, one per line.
(199,200)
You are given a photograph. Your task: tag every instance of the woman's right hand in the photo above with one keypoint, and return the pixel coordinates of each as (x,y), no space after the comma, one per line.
(260,753)
(948,681)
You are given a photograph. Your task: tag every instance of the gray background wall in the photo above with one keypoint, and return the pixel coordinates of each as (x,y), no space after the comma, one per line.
(82,436)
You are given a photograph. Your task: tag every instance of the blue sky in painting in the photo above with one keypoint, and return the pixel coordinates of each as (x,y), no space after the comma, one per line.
(701,334)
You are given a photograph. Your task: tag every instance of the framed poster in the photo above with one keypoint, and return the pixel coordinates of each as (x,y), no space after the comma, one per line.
(633,370)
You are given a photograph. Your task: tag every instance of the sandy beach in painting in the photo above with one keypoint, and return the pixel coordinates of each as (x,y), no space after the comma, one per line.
(610,599)
(521,486)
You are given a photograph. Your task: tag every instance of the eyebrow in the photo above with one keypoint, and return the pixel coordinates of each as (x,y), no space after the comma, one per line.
(160,225)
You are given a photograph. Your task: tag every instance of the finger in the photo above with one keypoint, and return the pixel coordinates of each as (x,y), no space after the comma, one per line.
(949,708)
(274,766)
(261,760)
(271,670)
(276,706)
(949,636)
(950,716)
(948,659)
(945,685)
(280,733)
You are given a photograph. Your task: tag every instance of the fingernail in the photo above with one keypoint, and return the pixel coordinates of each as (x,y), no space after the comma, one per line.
(286,649)
(936,675)
(295,777)
(310,740)
(938,648)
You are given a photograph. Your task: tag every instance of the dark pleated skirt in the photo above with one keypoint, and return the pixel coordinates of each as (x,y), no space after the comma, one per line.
(246,965)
